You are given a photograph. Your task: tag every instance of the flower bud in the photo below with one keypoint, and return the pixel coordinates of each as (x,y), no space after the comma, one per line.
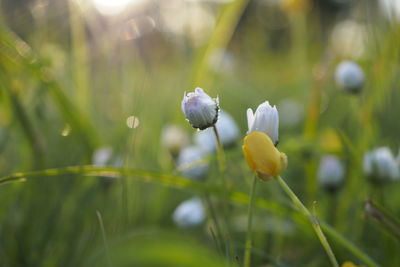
(174,138)
(265,120)
(227,129)
(191,162)
(380,165)
(331,173)
(102,156)
(200,109)
(349,76)
(292,113)
(262,156)
(189,213)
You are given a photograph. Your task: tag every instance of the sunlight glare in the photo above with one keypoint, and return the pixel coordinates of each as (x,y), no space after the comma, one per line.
(113,7)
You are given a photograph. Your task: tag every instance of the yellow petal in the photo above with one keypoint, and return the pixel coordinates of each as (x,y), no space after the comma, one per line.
(262,156)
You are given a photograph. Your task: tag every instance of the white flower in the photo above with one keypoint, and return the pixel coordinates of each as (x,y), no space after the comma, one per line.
(174,138)
(349,76)
(349,38)
(291,112)
(265,119)
(227,129)
(189,213)
(380,165)
(222,61)
(191,162)
(102,156)
(398,158)
(391,9)
(330,172)
(200,109)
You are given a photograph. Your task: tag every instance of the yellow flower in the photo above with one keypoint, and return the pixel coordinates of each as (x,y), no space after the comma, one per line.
(348,264)
(296,6)
(262,156)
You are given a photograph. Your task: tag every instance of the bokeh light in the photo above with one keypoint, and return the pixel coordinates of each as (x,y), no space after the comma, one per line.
(113,7)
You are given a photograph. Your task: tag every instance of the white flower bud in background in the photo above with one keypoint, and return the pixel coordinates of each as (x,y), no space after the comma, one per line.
(227,129)
(265,119)
(189,213)
(331,172)
(191,162)
(398,159)
(174,138)
(222,61)
(391,9)
(349,76)
(291,112)
(381,165)
(102,156)
(349,38)
(200,109)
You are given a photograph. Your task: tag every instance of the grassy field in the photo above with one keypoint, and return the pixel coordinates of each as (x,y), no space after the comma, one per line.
(87,89)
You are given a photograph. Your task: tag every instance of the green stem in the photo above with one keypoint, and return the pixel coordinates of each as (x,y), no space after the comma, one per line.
(314,221)
(348,245)
(247,252)
(225,207)
(220,150)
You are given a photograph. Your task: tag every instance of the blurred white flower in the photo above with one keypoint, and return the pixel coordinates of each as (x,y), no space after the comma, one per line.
(189,213)
(349,76)
(227,129)
(222,61)
(102,156)
(391,9)
(331,172)
(191,162)
(265,120)
(291,112)
(398,158)
(380,165)
(348,39)
(174,138)
(200,109)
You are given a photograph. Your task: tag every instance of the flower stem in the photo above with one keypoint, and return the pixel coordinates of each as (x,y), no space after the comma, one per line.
(220,150)
(314,220)
(247,252)
(225,206)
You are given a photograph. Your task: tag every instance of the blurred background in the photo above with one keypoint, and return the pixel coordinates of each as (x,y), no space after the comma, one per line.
(100,82)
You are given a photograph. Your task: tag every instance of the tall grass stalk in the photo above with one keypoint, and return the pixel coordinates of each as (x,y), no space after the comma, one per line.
(103,234)
(182,183)
(228,19)
(314,221)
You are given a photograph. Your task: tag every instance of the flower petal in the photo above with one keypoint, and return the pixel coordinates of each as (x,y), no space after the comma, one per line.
(262,156)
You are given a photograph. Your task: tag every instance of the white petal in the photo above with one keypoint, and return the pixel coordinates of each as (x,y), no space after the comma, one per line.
(250,118)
